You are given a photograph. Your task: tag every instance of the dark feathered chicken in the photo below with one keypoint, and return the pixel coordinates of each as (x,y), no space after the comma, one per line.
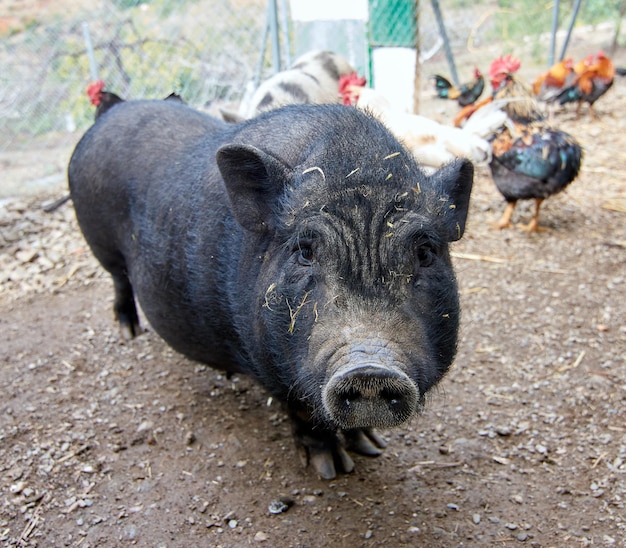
(530,158)
(540,162)
(466,94)
(103,100)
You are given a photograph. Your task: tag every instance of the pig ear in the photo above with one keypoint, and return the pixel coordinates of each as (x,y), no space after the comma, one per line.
(253,180)
(454,181)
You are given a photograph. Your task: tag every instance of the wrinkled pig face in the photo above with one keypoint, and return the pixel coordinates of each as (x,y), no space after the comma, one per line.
(360,298)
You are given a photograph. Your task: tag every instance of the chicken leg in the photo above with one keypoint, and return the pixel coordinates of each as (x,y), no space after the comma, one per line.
(505,220)
(533,225)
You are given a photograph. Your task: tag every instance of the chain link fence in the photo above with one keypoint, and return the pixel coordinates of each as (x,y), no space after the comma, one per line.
(208,51)
(204,50)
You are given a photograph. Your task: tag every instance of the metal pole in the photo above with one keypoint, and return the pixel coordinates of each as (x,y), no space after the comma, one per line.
(272,14)
(259,68)
(285,30)
(93,67)
(446,41)
(555,26)
(569,29)
(417,88)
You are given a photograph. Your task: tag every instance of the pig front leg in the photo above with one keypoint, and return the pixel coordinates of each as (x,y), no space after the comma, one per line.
(124,306)
(327,450)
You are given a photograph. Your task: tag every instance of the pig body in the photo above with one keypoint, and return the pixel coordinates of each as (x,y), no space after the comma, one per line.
(304,248)
(313,78)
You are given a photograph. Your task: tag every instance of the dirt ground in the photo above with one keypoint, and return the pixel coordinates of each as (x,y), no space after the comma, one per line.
(106,443)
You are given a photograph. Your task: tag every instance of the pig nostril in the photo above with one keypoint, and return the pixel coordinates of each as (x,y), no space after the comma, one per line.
(350,395)
(391,397)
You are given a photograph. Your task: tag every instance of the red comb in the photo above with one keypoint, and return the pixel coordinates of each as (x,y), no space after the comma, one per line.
(94,92)
(506,64)
(346,82)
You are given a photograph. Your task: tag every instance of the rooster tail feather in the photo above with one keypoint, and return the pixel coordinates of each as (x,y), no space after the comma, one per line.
(569,95)
(441,82)
(442,86)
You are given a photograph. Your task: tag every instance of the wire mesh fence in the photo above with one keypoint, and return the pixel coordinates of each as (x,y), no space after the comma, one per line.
(208,51)
(203,50)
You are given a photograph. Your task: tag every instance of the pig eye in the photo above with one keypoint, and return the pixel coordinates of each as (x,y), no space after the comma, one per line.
(424,251)
(304,254)
(425,256)
(304,248)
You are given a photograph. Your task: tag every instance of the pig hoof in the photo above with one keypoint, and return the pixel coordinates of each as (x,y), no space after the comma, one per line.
(365,441)
(127,332)
(323,461)
(327,452)
(323,449)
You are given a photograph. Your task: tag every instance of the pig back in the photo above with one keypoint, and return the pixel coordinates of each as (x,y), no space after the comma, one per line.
(151,204)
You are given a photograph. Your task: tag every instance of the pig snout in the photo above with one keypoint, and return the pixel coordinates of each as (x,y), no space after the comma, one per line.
(370,396)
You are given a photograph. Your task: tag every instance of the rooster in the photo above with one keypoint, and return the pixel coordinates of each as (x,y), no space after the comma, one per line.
(103,100)
(530,158)
(350,87)
(549,84)
(552,82)
(100,98)
(511,64)
(594,77)
(466,94)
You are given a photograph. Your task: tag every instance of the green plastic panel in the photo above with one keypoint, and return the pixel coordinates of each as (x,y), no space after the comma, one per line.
(392,23)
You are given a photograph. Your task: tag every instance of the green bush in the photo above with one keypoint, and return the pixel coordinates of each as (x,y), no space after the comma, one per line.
(518,18)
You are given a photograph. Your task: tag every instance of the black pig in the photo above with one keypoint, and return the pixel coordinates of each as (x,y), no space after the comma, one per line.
(304,247)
